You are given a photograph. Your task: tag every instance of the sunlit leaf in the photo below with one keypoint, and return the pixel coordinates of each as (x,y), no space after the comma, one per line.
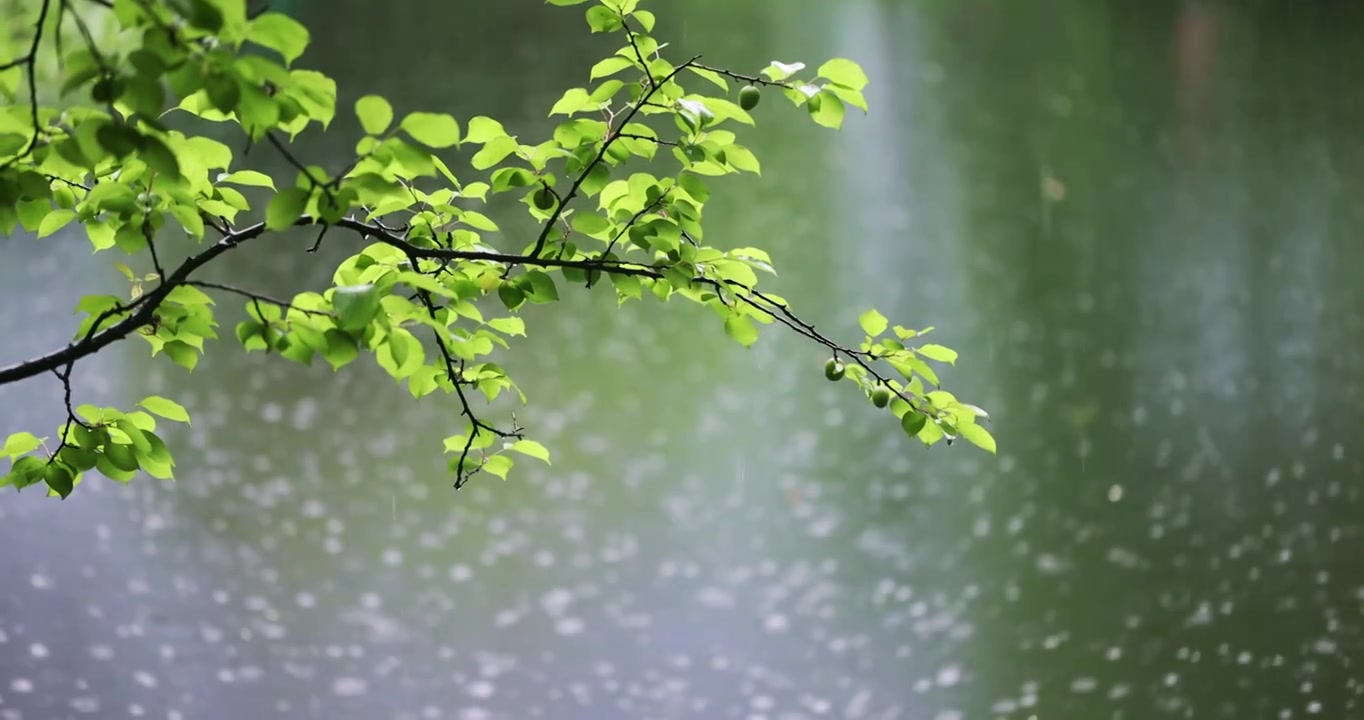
(375,114)
(435,130)
(873,322)
(844,72)
(280,33)
(168,409)
(531,448)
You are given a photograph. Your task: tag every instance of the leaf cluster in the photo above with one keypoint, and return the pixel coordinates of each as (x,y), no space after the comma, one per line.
(434,292)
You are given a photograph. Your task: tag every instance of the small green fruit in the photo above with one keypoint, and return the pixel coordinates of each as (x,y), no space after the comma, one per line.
(880,397)
(833,370)
(106,90)
(544,199)
(749,97)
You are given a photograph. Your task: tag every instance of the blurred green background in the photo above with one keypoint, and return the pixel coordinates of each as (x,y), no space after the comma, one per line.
(1138,221)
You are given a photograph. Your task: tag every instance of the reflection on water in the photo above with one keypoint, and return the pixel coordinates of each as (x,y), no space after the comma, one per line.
(1138,221)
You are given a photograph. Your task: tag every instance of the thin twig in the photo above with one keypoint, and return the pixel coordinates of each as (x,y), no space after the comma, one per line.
(650,139)
(606,145)
(31,61)
(64,376)
(644,64)
(148,232)
(255,297)
(750,79)
(625,228)
(318,242)
(456,376)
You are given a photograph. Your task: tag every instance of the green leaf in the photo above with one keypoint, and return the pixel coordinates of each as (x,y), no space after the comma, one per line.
(156,461)
(610,66)
(188,295)
(849,96)
(189,219)
(257,111)
(979,436)
(249,178)
(356,306)
(873,322)
(280,33)
(206,16)
(572,101)
(542,288)
(827,110)
(25,472)
(493,152)
(483,129)
(375,114)
(741,158)
(979,412)
(20,443)
(778,71)
(711,76)
(844,72)
(341,348)
(931,433)
(145,95)
(531,448)
(741,329)
(121,457)
(508,325)
(498,465)
(401,354)
(168,409)
(181,353)
(695,187)
(118,139)
(286,208)
(422,382)
(510,295)
(913,422)
(603,19)
(436,130)
(54,221)
(509,178)
(605,91)
(60,479)
(627,286)
(589,223)
(938,352)
(566,2)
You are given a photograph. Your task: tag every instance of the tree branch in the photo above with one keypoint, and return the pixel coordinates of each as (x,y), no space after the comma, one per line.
(750,79)
(606,145)
(456,376)
(31,61)
(253,296)
(146,309)
(147,305)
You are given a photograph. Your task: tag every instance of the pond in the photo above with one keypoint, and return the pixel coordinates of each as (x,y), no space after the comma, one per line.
(1138,222)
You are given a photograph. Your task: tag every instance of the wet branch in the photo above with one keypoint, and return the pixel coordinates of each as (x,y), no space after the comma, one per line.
(454,370)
